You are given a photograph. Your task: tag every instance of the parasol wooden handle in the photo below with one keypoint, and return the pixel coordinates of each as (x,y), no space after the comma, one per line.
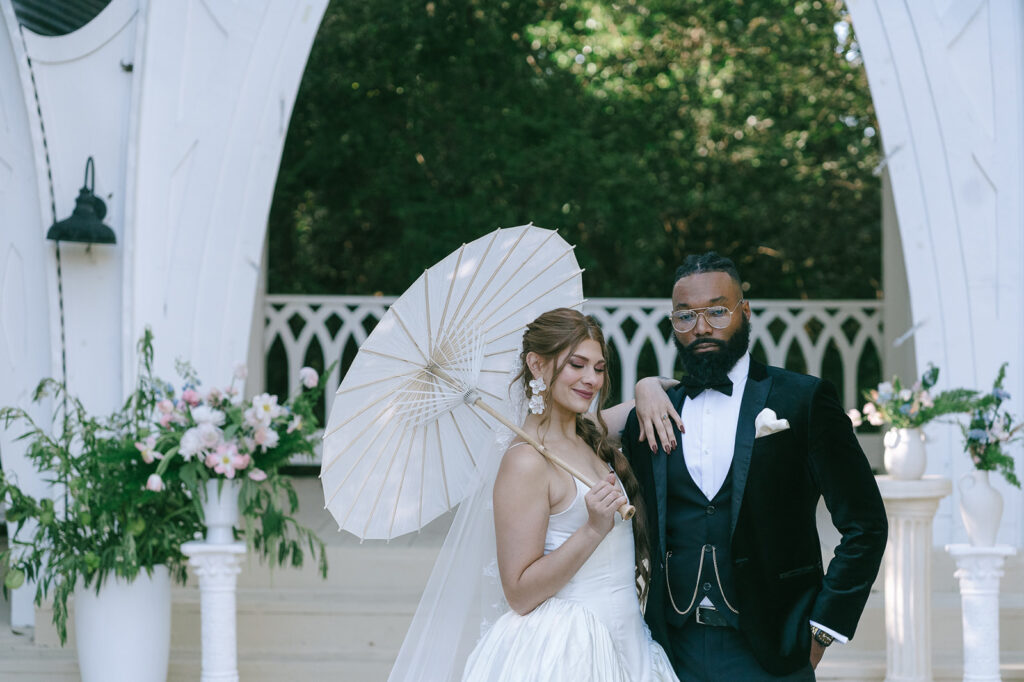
(626,511)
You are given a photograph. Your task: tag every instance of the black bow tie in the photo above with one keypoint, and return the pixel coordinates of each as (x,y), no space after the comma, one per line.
(694,387)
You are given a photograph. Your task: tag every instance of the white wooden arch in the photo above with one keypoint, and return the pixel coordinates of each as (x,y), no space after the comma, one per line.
(184,104)
(947,81)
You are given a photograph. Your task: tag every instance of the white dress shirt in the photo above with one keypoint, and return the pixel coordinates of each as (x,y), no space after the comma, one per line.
(710,422)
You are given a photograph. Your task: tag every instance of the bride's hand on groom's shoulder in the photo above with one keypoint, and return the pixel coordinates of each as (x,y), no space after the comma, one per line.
(656,414)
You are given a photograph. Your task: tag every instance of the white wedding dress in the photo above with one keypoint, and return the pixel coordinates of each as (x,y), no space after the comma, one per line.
(592,629)
(463,629)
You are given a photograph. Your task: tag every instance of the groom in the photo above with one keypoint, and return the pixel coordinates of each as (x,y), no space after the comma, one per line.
(737,589)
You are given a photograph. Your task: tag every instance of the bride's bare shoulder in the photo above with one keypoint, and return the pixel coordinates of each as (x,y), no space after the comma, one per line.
(522,459)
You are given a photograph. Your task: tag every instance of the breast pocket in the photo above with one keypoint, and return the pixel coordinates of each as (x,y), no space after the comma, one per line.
(800,570)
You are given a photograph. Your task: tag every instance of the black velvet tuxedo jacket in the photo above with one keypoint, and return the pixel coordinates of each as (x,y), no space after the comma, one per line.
(777,481)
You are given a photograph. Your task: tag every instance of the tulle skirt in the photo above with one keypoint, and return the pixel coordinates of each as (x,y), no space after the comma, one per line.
(561,641)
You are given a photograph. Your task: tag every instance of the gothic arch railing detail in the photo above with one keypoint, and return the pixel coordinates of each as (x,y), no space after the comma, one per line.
(841,340)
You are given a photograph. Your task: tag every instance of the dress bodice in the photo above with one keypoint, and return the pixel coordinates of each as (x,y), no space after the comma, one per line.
(611,564)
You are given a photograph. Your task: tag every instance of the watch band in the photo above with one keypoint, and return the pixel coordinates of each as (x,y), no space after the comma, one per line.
(821,637)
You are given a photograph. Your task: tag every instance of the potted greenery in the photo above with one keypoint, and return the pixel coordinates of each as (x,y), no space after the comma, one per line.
(988,431)
(123,509)
(905,411)
(105,532)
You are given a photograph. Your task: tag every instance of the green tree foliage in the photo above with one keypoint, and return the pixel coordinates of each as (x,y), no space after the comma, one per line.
(643,129)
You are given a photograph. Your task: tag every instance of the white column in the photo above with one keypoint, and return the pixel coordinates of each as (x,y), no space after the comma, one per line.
(910,506)
(217,567)
(979,570)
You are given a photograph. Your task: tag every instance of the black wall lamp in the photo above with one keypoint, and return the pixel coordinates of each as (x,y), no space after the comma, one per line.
(86,222)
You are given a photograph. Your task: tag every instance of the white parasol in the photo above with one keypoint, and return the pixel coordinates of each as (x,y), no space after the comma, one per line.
(429,386)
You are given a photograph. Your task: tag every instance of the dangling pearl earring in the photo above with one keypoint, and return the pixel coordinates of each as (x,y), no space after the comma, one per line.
(536,399)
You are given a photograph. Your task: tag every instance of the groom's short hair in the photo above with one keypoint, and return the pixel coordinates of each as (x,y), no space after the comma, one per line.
(707,262)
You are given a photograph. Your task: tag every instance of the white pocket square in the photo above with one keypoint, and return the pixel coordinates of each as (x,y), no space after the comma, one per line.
(767,423)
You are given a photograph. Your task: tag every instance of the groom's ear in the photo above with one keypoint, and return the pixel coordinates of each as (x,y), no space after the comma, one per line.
(746,309)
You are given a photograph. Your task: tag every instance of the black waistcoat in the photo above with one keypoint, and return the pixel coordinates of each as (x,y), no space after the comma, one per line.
(697,527)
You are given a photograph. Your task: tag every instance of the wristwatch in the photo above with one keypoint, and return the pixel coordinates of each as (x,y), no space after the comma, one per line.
(821,637)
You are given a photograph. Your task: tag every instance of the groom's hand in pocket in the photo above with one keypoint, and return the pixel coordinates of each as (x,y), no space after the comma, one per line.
(817,651)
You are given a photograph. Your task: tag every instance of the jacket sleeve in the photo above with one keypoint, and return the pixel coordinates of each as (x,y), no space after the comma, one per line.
(851,494)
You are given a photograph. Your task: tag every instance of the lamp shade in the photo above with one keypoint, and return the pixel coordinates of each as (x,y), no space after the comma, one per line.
(86,222)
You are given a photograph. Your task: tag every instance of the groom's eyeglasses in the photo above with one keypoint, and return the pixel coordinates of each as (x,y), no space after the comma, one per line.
(718,316)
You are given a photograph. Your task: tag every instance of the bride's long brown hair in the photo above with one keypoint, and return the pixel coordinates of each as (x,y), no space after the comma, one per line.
(551,335)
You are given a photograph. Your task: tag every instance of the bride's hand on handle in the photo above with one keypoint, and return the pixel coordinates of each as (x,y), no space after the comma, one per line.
(602,502)
(656,414)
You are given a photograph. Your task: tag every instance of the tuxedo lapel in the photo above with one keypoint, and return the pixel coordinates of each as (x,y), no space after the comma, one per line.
(755,393)
(659,462)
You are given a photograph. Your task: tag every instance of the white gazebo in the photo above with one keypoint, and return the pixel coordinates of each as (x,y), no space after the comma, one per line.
(184,106)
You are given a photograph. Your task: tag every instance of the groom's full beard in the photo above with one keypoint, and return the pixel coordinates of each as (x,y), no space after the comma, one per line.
(711,365)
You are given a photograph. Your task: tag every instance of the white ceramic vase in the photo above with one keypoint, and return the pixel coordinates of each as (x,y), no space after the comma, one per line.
(123,634)
(220,507)
(904,458)
(981,508)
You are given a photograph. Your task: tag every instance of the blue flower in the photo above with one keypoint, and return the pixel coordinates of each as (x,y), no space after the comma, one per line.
(885,391)
(905,409)
(978,435)
(1000,394)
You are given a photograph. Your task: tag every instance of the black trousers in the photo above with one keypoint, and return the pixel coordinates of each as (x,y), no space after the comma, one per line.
(706,654)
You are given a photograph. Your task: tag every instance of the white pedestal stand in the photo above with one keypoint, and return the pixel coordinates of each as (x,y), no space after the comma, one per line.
(910,506)
(217,566)
(979,570)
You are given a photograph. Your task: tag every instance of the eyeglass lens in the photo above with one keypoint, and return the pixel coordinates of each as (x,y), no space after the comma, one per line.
(717,316)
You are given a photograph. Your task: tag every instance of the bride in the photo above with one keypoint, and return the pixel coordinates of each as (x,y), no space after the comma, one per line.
(539,578)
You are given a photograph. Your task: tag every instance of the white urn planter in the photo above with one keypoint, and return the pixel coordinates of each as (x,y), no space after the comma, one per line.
(123,634)
(981,508)
(220,508)
(904,457)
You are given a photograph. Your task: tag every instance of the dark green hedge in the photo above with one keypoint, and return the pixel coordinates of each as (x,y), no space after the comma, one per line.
(644,130)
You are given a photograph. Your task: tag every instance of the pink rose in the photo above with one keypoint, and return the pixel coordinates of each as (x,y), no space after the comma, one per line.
(165,406)
(266,437)
(190,396)
(258,475)
(308,377)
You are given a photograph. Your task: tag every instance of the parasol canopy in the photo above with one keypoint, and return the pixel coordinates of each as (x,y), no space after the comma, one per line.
(429,386)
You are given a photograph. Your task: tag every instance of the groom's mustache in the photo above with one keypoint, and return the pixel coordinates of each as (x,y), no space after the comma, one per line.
(720,345)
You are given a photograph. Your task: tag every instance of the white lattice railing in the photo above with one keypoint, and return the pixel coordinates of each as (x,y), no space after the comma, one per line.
(841,340)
